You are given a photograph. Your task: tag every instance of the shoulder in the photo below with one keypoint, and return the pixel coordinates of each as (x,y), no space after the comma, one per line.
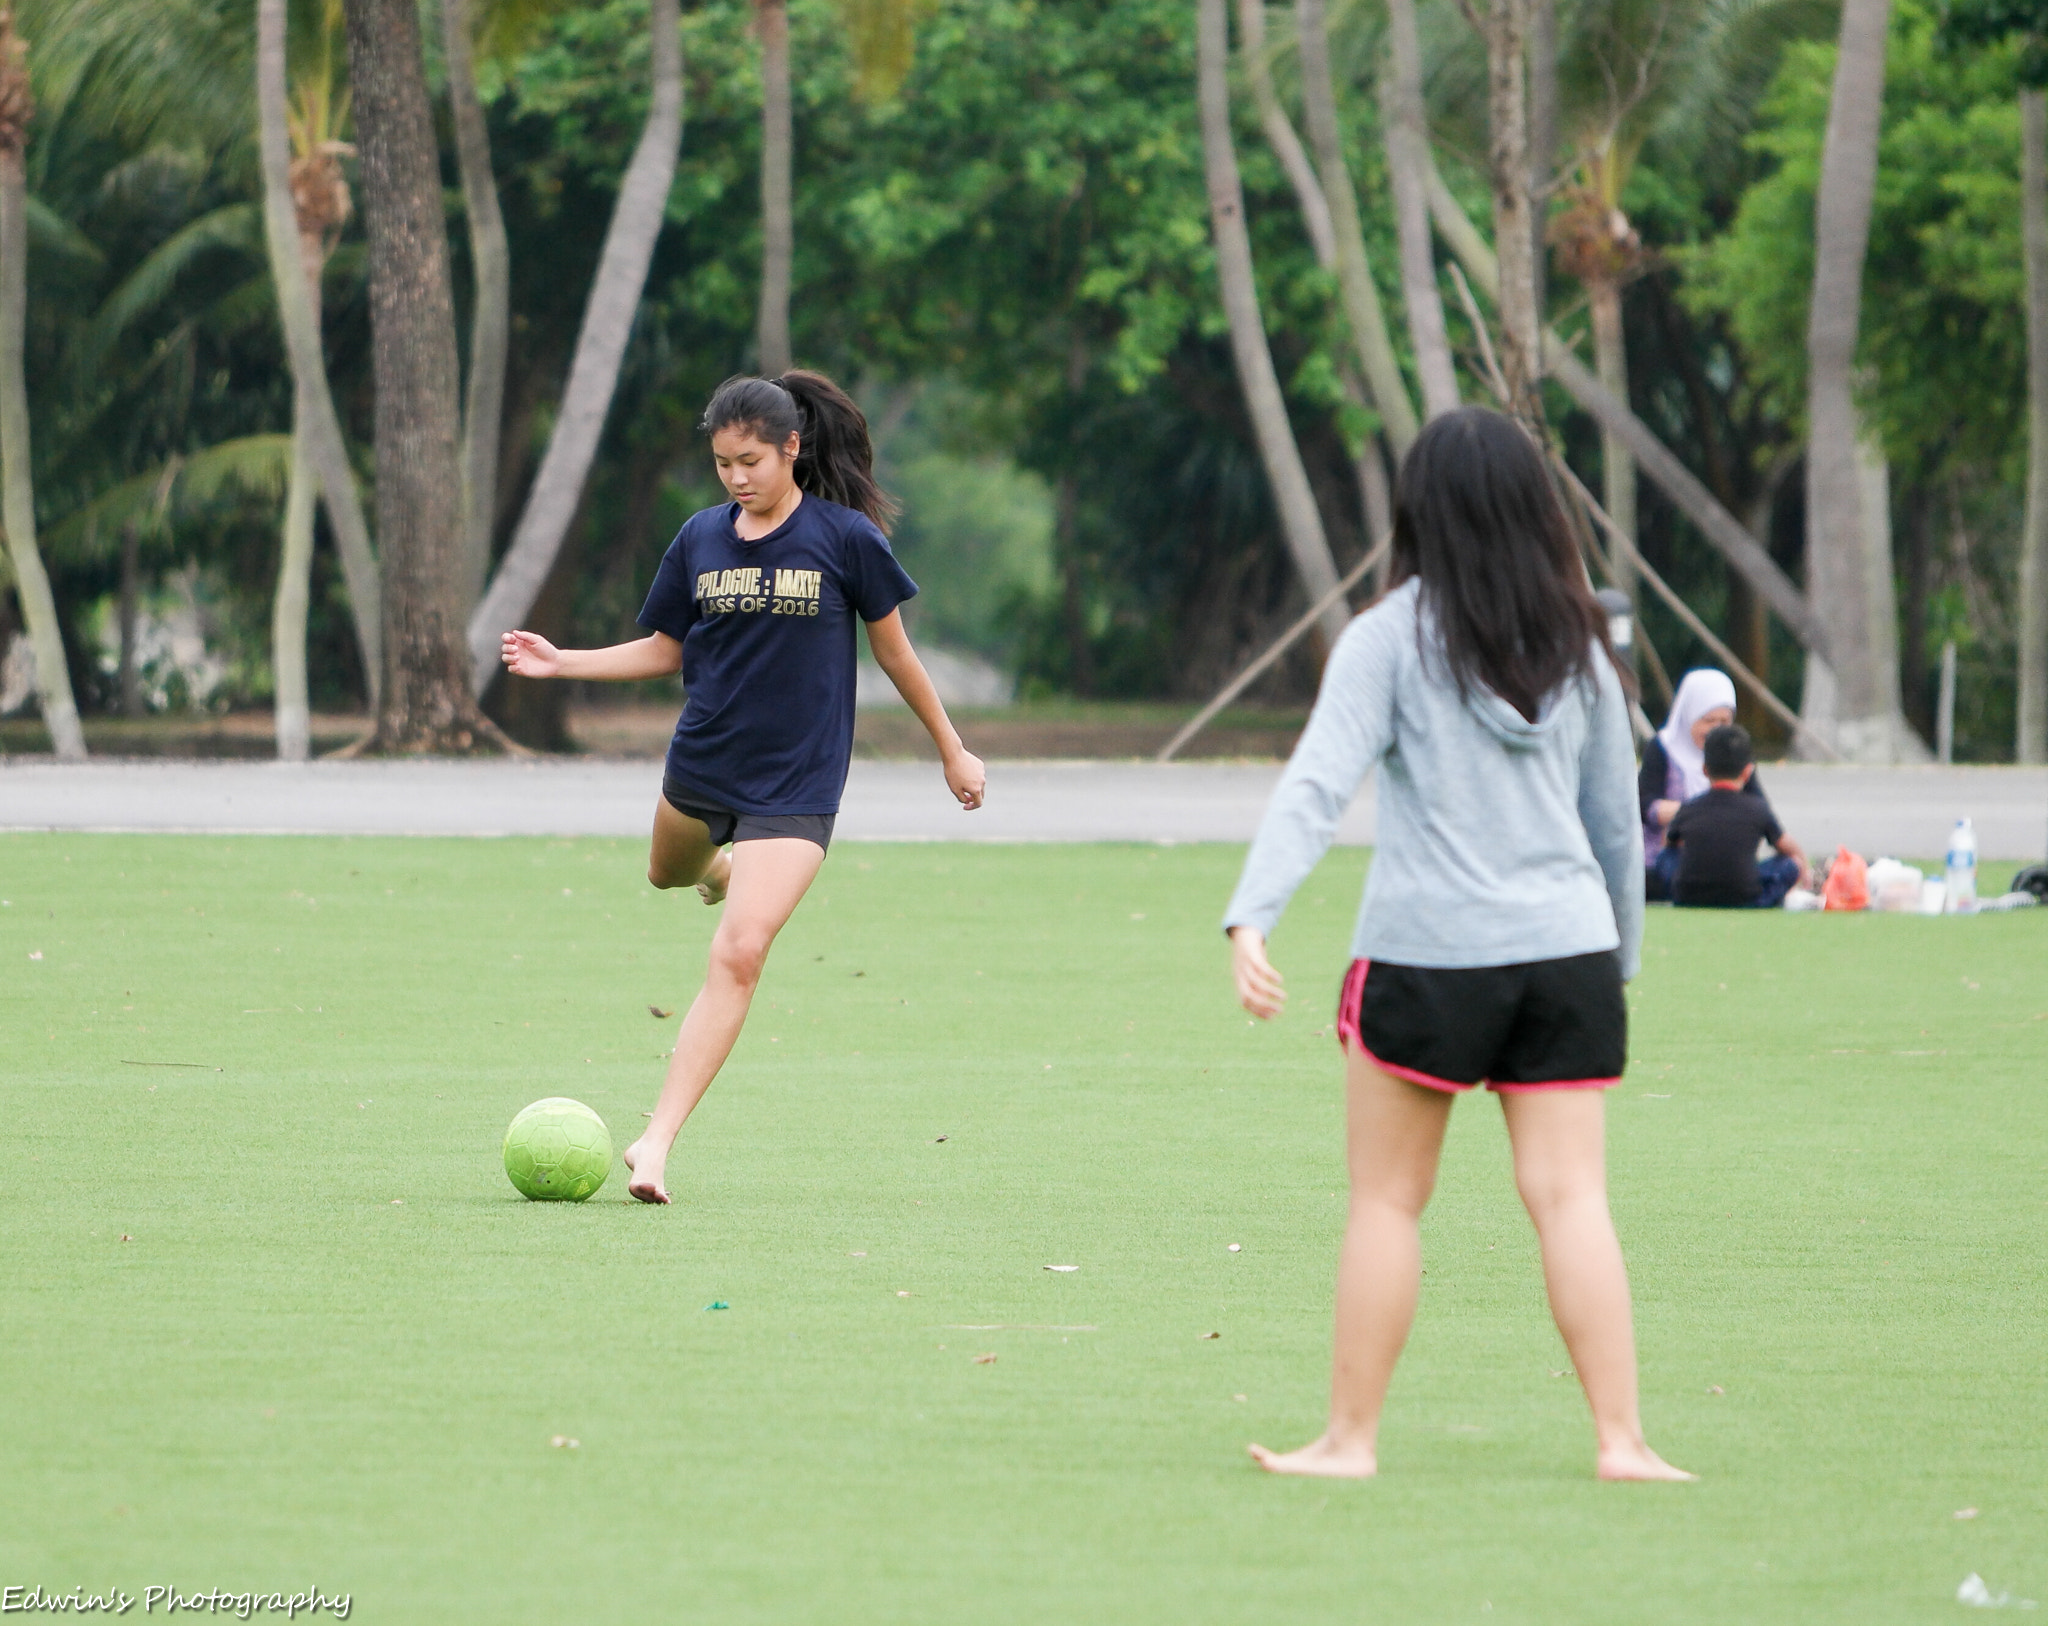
(833,519)
(1387,623)
(699,528)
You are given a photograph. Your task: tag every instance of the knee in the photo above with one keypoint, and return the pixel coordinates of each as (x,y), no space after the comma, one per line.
(1403,1199)
(739,956)
(1549,1194)
(660,879)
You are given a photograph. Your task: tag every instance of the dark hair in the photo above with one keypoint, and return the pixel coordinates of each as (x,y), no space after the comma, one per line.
(1477,522)
(835,459)
(1726,752)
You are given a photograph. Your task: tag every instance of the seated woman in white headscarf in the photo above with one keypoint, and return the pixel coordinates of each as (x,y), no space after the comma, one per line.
(1674,771)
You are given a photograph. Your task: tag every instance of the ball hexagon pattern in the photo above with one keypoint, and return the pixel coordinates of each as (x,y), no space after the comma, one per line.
(558,1150)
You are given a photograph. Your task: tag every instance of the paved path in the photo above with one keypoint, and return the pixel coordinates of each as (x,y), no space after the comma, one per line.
(1903,811)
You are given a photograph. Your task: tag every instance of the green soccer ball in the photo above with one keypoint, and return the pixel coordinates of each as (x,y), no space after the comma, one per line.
(558,1150)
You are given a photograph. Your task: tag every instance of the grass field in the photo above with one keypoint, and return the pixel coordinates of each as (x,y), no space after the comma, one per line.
(274,1318)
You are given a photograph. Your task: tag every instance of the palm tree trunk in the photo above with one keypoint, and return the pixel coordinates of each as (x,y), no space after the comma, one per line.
(490,325)
(293,710)
(594,370)
(1838,528)
(1406,130)
(778,231)
(1354,273)
(1521,358)
(299,316)
(1723,531)
(1300,523)
(1617,467)
(17,487)
(130,675)
(427,703)
(1366,467)
(2032,742)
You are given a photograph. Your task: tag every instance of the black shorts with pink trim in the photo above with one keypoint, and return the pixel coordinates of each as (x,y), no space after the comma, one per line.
(1545,1025)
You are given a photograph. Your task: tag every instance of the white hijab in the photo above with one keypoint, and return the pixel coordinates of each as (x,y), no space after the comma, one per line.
(1699,692)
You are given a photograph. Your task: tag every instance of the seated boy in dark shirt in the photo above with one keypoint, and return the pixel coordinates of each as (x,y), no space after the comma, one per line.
(1716,835)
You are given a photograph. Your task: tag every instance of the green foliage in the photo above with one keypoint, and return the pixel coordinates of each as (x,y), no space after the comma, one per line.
(1943,332)
(1991,22)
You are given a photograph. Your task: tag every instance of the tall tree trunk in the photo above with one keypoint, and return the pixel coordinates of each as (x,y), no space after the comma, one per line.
(778,229)
(1617,467)
(1073,599)
(1507,151)
(1367,468)
(427,704)
(299,316)
(600,347)
(17,487)
(1300,522)
(1722,530)
(2032,742)
(1838,529)
(1542,140)
(292,708)
(1354,272)
(490,325)
(130,675)
(1405,127)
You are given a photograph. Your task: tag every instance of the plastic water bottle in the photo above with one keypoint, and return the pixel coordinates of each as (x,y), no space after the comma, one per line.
(1962,870)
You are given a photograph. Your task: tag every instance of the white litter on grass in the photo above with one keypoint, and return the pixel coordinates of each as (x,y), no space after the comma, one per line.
(1063,1268)
(1977,1595)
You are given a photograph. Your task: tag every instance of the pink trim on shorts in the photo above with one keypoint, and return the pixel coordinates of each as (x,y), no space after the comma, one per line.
(1429,1081)
(1348,1003)
(1348,1034)
(1556,1084)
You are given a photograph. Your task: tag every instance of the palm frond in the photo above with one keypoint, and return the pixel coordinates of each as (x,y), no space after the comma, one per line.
(51,233)
(254,467)
(234,227)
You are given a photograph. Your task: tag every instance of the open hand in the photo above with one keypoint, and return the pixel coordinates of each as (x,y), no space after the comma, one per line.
(528,654)
(1260,989)
(966,778)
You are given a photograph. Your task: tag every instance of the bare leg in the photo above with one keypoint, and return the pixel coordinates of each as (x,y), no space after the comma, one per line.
(769,879)
(1395,1134)
(1560,1141)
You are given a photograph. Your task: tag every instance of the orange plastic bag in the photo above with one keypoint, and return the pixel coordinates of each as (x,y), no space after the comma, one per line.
(1848,882)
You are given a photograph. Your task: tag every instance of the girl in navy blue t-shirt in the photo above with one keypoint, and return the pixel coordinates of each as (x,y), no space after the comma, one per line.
(755,604)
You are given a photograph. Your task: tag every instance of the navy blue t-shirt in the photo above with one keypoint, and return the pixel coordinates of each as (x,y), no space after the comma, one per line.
(768,651)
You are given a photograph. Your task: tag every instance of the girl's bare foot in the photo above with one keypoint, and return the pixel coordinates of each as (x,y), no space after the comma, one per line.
(1637,1461)
(1326,1458)
(645,1185)
(716,879)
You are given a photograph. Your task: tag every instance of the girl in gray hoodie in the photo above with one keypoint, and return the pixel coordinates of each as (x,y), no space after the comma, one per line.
(1502,914)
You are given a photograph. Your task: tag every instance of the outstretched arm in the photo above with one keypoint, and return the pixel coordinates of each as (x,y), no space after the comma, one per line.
(528,654)
(966,778)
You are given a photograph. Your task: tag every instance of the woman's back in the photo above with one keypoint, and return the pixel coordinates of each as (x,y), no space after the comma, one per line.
(1500,839)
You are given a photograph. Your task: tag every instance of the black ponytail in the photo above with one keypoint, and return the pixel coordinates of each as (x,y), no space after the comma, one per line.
(835,459)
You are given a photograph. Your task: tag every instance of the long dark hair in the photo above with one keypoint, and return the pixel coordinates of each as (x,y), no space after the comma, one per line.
(1477,522)
(835,459)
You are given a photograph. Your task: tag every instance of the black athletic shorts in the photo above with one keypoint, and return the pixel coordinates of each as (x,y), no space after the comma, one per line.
(727,826)
(1546,1025)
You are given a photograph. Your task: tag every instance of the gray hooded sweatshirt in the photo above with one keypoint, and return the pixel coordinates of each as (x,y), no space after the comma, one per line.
(1500,840)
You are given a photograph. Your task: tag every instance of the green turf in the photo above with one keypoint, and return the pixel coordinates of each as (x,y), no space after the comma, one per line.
(277,1319)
